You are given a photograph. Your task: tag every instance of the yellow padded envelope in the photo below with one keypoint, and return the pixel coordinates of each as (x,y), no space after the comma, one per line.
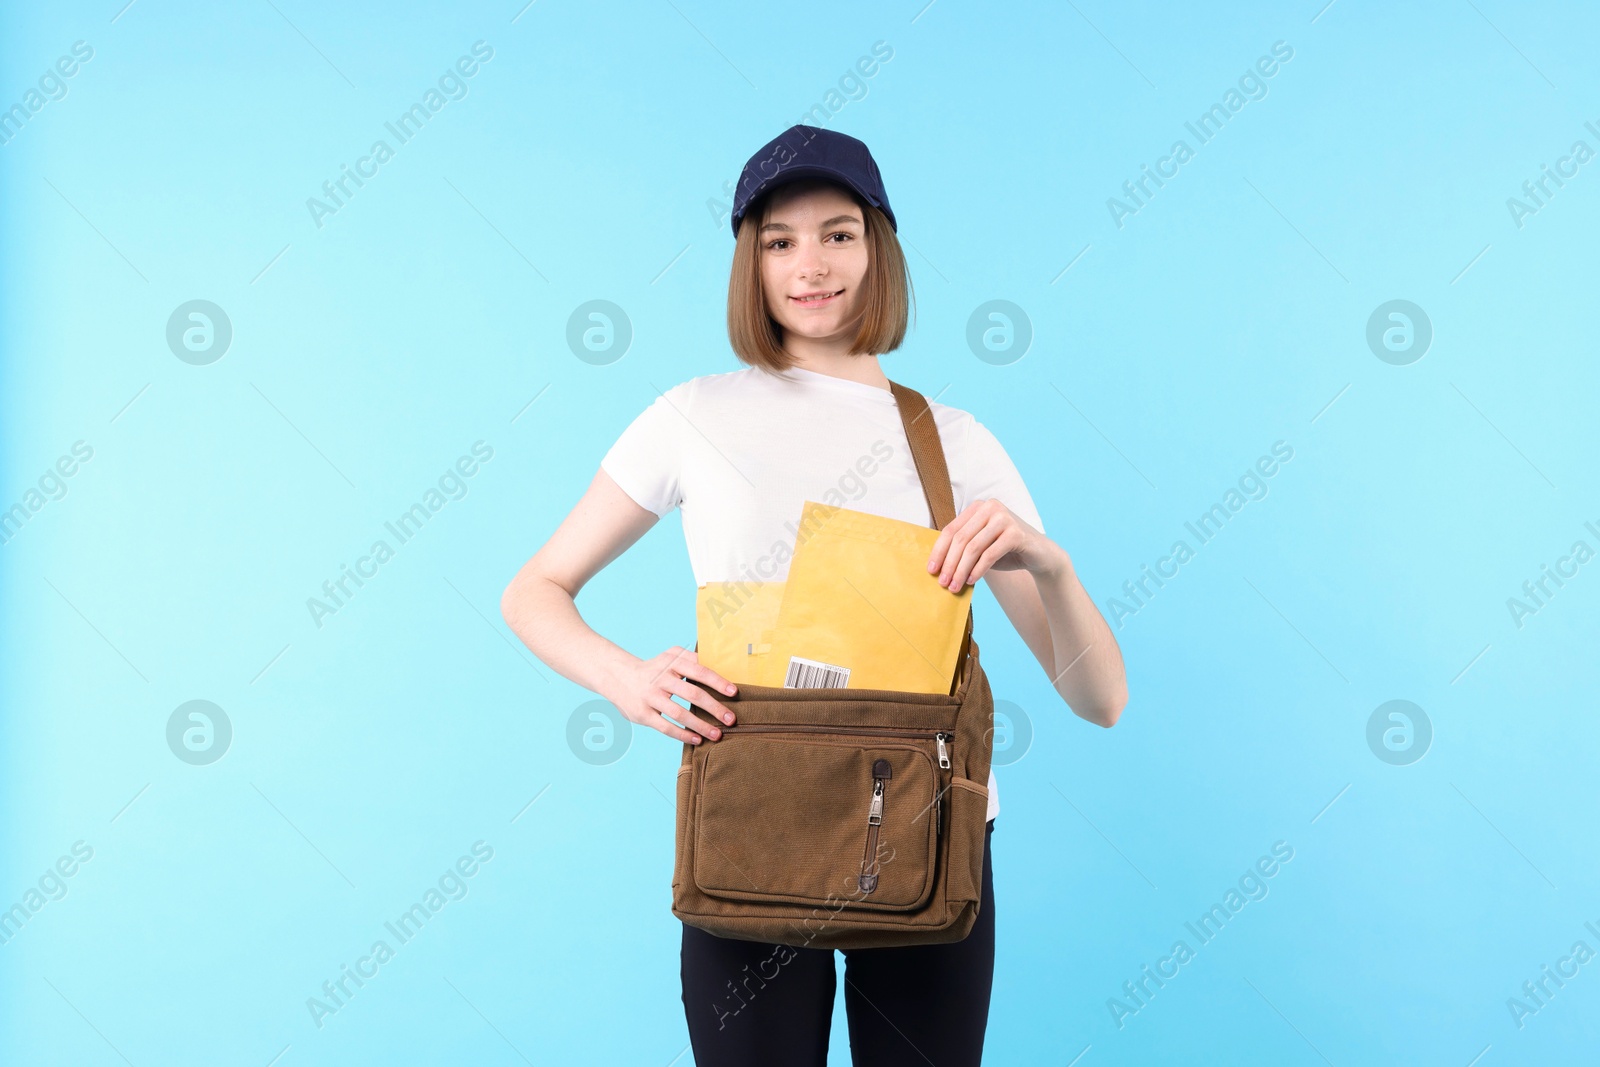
(859,598)
(734,622)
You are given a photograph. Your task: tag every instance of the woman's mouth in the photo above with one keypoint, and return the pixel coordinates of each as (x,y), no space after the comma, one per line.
(820,300)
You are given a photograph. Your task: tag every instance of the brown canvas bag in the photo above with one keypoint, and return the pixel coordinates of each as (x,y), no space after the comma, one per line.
(843,818)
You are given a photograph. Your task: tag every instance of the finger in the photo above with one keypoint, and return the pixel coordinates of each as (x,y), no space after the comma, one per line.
(663,704)
(970,553)
(999,538)
(656,721)
(684,725)
(670,680)
(941,545)
(701,699)
(995,552)
(952,555)
(964,528)
(701,673)
(676,657)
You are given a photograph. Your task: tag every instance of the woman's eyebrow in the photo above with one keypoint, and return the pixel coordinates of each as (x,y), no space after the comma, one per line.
(821,225)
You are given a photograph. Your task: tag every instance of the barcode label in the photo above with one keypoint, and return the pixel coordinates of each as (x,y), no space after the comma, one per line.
(814,674)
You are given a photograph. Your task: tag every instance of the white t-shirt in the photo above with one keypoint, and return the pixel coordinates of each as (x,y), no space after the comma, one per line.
(741,452)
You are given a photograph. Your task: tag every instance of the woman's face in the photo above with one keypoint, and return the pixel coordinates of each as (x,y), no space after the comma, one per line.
(814,242)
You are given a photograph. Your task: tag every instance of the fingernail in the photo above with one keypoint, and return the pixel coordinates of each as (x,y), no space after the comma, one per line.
(696,739)
(730,689)
(728,719)
(715,734)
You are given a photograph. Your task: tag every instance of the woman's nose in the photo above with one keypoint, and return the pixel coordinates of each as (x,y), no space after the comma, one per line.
(811,261)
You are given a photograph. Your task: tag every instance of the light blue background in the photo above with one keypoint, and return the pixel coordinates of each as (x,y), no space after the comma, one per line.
(1229,313)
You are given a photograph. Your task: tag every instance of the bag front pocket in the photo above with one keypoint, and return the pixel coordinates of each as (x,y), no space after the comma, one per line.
(787,816)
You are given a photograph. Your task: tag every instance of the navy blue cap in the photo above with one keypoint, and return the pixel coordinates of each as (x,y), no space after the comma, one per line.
(810,152)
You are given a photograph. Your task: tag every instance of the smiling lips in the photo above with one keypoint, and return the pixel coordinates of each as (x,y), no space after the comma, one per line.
(816,299)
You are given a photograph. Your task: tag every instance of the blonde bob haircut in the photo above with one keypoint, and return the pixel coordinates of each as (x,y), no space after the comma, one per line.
(758,340)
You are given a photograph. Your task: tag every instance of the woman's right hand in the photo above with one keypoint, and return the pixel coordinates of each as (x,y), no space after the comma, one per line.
(648,686)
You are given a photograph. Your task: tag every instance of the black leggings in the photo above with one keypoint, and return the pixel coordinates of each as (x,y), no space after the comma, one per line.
(916,1004)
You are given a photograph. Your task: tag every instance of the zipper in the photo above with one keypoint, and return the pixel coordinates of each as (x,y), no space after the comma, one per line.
(900,731)
(888,731)
(868,879)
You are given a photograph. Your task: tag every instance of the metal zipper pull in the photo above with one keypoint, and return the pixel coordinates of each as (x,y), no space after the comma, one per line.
(944,753)
(867,880)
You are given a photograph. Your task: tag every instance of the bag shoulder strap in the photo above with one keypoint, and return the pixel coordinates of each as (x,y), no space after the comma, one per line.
(927,451)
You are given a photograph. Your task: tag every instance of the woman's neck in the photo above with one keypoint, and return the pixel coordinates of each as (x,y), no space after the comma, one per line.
(859,368)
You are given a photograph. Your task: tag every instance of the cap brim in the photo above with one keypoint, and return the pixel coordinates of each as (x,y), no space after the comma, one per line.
(794,174)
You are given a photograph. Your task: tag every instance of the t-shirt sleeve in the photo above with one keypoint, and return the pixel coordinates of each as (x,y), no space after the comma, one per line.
(987,473)
(646,461)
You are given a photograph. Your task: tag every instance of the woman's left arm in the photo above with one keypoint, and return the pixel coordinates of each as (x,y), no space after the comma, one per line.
(1033,579)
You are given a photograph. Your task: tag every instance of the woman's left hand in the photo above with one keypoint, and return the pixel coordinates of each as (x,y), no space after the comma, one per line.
(988,535)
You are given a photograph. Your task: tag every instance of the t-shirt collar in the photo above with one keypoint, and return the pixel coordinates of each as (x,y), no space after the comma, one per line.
(829,380)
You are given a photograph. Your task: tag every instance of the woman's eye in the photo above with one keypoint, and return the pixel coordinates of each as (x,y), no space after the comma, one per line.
(772,246)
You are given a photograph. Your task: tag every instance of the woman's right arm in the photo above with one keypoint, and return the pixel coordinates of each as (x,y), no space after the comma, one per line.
(539,605)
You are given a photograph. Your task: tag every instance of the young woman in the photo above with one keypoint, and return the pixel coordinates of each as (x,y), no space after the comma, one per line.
(818,291)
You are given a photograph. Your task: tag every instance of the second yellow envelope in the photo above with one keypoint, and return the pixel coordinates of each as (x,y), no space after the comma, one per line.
(734,623)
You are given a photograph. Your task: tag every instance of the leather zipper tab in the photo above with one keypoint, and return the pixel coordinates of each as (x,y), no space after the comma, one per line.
(882,771)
